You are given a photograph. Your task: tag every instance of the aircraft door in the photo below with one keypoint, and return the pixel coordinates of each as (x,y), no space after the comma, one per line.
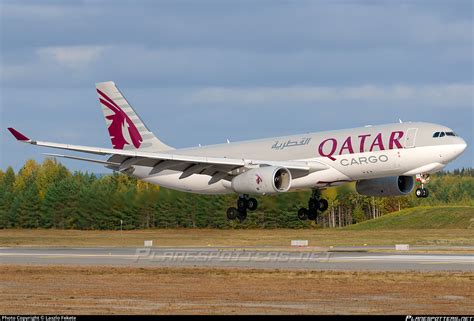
(410,137)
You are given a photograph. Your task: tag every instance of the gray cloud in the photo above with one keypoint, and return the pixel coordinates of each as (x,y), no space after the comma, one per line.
(241,43)
(139,66)
(442,96)
(190,66)
(262,25)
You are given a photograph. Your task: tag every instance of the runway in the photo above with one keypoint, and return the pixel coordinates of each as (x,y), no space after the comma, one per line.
(274,258)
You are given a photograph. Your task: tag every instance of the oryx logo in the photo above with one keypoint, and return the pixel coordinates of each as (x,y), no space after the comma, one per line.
(121,130)
(259,179)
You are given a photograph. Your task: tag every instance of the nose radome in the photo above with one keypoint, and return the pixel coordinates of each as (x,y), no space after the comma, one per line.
(461,146)
(454,151)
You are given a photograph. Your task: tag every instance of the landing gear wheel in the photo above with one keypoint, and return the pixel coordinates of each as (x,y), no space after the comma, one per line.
(323,205)
(316,204)
(252,204)
(242,204)
(419,192)
(232,213)
(312,215)
(303,214)
(425,193)
(313,204)
(242,215)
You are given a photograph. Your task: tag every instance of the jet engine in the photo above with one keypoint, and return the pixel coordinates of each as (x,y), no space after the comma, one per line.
(263,180)
(386,186)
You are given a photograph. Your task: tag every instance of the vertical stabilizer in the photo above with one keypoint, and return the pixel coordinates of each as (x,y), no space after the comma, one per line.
(126,129)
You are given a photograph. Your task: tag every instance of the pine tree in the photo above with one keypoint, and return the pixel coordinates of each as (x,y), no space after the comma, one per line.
(60,205)
(6,197)
(28,211)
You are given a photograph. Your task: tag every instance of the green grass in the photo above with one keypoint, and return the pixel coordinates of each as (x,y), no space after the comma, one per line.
(444,226)
(236,238)
(449,217)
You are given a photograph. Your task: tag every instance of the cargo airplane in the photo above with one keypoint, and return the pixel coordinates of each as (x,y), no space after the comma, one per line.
(382,160)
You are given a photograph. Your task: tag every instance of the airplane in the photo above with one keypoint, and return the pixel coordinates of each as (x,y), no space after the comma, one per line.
(382,160)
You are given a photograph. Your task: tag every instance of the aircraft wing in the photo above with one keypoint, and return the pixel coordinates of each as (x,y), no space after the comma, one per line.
(216,167)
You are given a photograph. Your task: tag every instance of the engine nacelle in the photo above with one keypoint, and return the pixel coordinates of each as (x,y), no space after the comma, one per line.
(263,180)
(386,186)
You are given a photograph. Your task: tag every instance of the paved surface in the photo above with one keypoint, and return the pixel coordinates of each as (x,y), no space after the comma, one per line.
(305,258)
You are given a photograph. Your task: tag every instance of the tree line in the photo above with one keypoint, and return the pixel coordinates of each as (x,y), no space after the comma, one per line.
(48,195)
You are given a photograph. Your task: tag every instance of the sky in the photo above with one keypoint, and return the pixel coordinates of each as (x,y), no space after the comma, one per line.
(202,72)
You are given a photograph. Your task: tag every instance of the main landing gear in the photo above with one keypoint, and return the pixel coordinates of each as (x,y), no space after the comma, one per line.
(422,192)
(244,203)
(315,204)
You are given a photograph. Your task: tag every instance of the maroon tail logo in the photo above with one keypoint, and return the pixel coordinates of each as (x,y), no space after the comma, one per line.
(120,122)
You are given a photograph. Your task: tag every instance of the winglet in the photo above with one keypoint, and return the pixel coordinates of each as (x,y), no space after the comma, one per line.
(19,136)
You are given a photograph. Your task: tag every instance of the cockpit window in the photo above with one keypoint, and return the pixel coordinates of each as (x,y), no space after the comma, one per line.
(442,134)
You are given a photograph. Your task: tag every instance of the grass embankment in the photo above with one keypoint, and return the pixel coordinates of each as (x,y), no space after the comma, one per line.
(110,290)
(452,217)
(421,226)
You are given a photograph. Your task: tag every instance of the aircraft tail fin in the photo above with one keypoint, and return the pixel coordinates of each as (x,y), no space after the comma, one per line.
(126,129)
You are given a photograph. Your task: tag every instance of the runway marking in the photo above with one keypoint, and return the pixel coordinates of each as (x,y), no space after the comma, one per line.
(173,257)
(66,255)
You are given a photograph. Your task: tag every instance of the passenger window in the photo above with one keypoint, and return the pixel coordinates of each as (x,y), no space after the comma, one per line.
(435,135)
(441,134)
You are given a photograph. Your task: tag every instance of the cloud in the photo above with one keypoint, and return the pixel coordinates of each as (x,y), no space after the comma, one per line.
(75,57)
(142,66)
(261,25)
(450,95)
(328,64)
(235,43)
(33,11)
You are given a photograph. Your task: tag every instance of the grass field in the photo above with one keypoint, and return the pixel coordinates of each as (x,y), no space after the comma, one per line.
(422,226)
(210,237)
(109,290)
(453,217)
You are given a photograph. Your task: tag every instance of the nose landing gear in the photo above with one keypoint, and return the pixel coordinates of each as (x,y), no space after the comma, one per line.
(422,192)
(315,204)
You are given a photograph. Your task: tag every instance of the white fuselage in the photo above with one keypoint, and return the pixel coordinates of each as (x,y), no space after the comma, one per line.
(354,154)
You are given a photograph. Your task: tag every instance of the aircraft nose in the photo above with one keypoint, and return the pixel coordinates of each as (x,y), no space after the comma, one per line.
(463,145)
(460,146)
(455,149)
